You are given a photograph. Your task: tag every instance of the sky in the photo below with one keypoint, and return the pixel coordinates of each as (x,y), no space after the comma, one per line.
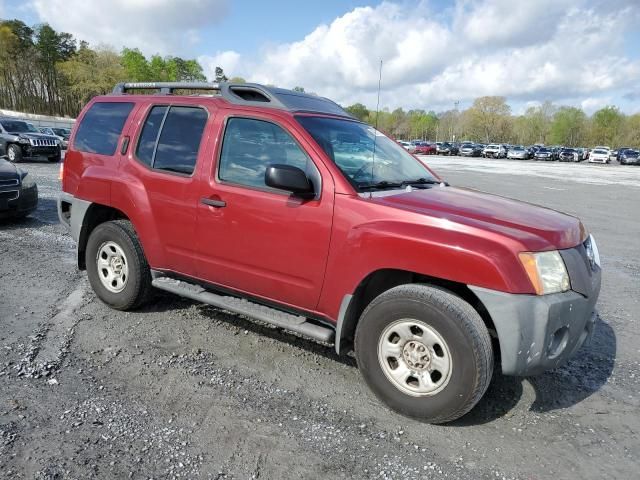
(435,53)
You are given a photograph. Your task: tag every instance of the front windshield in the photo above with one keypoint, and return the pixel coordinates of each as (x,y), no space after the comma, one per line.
(351,146)
(32,128)
(15,126)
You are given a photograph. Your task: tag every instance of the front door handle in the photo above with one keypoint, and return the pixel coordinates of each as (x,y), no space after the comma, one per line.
(213,203)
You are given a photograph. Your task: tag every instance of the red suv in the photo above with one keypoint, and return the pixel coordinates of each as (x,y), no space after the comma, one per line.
(280,206)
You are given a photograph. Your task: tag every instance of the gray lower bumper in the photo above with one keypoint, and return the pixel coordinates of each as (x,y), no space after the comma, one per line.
(538,333)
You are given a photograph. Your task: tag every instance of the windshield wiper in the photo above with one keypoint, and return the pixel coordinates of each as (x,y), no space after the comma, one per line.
(380,185)
(421,181)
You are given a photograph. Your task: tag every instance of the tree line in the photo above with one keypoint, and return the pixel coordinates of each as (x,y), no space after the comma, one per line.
(489,119)
(49,72)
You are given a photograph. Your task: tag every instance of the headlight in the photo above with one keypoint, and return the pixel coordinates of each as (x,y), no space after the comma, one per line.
(23,140)
(546,271)
(28,181)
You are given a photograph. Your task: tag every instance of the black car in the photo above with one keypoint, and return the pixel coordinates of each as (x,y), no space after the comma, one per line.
(20,140)
(545,154)
(446,148)
(18,191)
(568,155)
(629,157)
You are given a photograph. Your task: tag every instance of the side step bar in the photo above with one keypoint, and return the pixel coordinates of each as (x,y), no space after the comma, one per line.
(278,318)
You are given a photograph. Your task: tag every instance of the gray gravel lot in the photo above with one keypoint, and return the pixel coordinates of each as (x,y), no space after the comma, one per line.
(182,390)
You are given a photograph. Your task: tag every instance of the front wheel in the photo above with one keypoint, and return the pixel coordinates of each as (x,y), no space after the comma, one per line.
(14,153)
(425,352)
(116,266)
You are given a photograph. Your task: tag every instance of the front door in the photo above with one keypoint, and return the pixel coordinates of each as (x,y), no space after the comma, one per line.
(256,239)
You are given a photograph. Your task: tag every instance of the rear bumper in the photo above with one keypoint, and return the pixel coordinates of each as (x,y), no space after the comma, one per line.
(542,332)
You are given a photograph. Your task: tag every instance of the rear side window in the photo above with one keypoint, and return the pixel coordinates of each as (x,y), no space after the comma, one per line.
(101,127)
(170,138)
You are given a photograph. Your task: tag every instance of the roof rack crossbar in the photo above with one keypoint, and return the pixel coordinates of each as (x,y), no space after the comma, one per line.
(165,87)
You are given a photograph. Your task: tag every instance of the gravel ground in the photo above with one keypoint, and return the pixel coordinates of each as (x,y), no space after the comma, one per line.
(182,390)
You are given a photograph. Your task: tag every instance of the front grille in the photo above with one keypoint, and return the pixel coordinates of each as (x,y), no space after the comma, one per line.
(43,142)
(9,183)
(9,195)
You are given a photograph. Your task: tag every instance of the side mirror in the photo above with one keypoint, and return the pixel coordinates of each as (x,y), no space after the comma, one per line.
(289,178)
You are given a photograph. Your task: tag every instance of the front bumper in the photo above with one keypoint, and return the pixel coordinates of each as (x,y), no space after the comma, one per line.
(542,332)
(18,204)
(32,151)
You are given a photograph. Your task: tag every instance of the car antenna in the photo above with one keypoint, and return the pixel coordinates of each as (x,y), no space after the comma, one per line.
(375,132)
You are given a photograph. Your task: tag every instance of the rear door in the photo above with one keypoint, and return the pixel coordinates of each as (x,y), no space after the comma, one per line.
(163,157)
(257,239)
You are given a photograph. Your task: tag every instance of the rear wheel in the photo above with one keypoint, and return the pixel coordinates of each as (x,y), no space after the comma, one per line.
(116,266)
(14,153)
(425,352)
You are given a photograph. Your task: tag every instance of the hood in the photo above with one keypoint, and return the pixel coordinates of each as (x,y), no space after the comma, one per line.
(7,170)
(536,228)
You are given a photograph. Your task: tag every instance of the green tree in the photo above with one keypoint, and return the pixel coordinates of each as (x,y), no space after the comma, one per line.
(237,80)
(136,67)
(606,126)
(298,89)
(220,76)
(359,111)
(488,118)
(568,127)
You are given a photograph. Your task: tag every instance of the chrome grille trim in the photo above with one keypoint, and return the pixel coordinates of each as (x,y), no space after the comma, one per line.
(9,183)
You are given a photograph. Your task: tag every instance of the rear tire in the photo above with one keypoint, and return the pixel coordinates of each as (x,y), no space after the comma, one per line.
(116,266)
(424,352)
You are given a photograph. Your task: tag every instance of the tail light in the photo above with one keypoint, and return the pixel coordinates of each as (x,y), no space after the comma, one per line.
(61,173)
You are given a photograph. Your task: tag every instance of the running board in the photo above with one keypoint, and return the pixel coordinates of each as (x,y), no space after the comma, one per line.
(278,318)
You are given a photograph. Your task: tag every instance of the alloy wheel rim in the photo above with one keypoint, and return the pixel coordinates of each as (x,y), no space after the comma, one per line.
(414,357)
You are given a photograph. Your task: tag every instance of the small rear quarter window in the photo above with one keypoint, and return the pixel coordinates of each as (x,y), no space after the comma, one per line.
(101,127)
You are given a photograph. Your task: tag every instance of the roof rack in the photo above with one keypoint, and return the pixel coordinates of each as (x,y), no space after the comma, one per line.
(252,94)
(165,87)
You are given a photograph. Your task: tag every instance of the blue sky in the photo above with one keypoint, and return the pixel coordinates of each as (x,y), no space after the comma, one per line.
(435,52)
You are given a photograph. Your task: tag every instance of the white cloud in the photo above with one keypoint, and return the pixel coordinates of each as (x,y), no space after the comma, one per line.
(229,60)
(154,26)
(549,49)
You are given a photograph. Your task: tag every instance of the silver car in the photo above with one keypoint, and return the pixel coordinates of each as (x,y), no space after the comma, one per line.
(518,153)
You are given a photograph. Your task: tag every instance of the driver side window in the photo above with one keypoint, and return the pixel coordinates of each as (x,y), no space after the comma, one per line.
(250,146)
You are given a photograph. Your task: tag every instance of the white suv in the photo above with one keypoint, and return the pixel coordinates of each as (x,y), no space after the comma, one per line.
(494,151)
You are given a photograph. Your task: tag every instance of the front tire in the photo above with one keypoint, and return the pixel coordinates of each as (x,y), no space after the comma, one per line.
(424,352)
(116,266)
(14,153)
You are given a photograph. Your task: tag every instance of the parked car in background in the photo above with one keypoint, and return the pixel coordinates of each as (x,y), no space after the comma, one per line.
(424,148)
(18,191)
(446,148)
(406,145)
(64,142)
(470,150)
(599,155)
(518,153)
(20,140)
(620,151)
(544,153)
(494,150)
(569,155)
(630,157)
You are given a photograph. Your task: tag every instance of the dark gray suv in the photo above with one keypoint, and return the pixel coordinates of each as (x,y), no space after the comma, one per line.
(20,140)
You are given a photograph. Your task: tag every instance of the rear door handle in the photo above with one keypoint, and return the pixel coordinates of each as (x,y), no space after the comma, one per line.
(213,203)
